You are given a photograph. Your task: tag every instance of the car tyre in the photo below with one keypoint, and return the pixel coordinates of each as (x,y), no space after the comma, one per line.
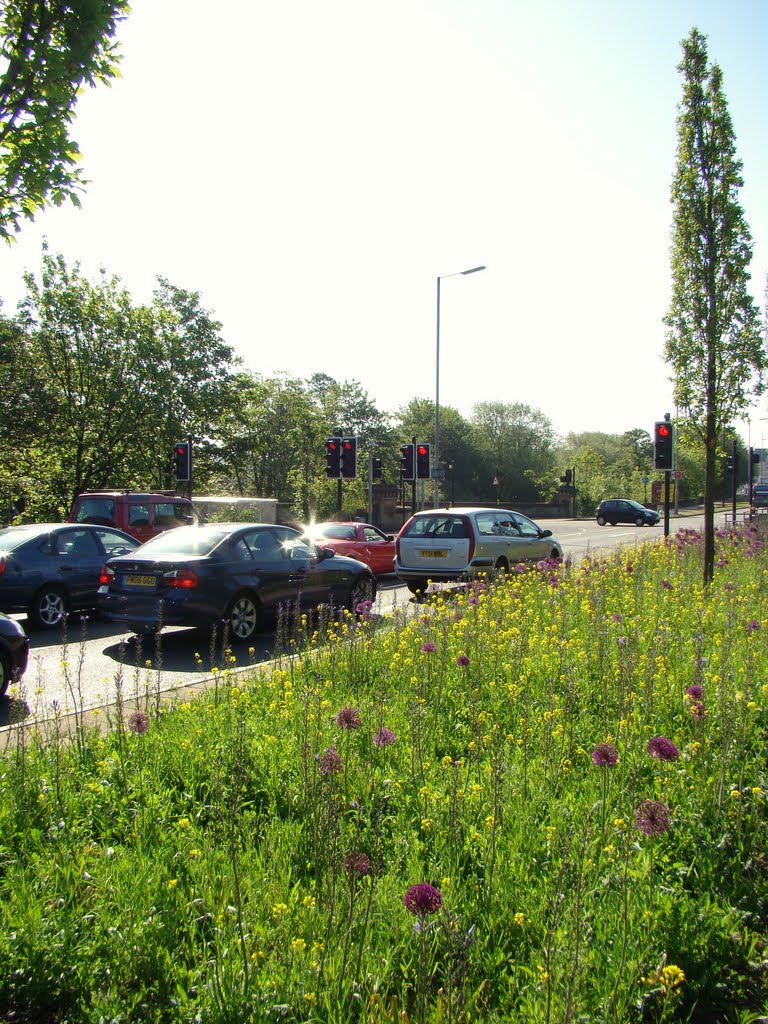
(5,674)
(502,566)
(417,587)
(362,589)
(49,608)
(639,521)
(244,617)
(601,520)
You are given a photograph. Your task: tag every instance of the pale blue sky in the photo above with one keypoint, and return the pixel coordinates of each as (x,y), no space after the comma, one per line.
(310,168)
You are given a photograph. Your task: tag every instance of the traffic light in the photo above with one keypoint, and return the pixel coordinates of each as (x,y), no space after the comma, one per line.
(182,459)
(408,462)
(333,458)
(422,461)
(349,457)
(754,457)
(375,467)
(729,463)
(567,478)
(663,445)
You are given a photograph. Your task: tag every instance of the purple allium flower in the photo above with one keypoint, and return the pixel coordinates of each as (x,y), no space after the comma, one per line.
(423,899)
(428,647)
(695,692)
(462,661)
(729,586)
(384,737)
(666,584)
(138,721)
(652,818)
(616,617)
(356,865)
(662,749)
(605,755)
(348,718)
(753,625)
(363,609)
(330,763)
(472,600)
(629,568)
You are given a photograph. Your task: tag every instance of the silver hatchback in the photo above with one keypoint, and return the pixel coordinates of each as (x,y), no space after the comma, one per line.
(455,544)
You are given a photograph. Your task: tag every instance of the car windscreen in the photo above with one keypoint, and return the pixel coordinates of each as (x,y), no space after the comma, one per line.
(186,540)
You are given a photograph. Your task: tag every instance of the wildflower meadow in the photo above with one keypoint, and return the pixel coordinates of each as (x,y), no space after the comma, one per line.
(537,799)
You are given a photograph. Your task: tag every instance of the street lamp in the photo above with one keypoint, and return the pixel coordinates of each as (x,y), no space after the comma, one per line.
(458,273)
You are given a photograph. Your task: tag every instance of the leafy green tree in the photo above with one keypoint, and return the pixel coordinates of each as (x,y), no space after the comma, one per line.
(457,444)
(50,49)
(121,383)
(519,442)
(713,342)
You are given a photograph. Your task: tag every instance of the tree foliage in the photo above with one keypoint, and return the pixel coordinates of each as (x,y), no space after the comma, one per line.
(714,342)
(49,49)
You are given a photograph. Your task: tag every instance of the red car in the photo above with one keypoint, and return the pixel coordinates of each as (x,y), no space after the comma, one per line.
(362,541)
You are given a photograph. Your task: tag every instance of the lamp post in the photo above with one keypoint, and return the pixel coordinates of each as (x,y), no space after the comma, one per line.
(458,273)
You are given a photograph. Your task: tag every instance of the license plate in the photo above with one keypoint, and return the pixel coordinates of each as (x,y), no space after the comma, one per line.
(433,553)
(140,581)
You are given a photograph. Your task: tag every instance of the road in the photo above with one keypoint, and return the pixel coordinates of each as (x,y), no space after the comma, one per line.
(96,661)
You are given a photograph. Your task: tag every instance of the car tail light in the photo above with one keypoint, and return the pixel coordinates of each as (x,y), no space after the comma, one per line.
(107,576)
(471,535)
(2,566)
(183,579)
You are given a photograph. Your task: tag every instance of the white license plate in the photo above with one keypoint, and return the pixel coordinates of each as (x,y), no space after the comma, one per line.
(140,581)
(433,553)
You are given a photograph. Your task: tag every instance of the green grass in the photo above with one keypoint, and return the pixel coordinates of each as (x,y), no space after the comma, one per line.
(246,855)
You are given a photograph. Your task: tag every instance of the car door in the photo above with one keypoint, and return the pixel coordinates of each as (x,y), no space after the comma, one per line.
(262,564)
(80,559)
(379,550)
(534,545)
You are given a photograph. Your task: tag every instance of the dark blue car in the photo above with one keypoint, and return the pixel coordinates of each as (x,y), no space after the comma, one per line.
(227,575)
(51,569)
(14,652)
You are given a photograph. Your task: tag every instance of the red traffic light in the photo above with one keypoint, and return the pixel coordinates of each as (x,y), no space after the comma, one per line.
(663,430)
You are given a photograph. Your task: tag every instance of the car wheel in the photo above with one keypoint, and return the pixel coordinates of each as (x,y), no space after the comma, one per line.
(48,609)
(5,674)
(244,617)
(363,589)
(601,520)
(417,586)
(502,565)
(639,521)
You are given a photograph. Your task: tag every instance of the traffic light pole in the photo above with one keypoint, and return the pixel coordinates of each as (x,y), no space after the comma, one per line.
(734,474)
(666,503)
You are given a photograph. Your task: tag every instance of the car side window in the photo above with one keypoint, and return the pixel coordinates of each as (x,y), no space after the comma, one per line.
(113,543)
(77,544)
(486,524)
(372,535)
(138,515)
(526,527)
(261,546)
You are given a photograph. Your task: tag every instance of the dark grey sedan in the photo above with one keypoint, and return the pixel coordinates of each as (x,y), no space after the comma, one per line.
(228,575)
(51,569)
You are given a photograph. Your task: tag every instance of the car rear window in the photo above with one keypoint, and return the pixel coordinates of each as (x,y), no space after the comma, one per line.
(438,526)
(185,540)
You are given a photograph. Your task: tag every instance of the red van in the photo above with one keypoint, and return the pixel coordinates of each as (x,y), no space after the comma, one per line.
(140,514)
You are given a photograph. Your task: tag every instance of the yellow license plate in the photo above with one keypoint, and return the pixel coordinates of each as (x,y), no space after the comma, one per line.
(432,553)
(140,581)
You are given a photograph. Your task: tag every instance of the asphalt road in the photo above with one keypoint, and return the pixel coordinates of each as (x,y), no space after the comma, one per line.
(95,662)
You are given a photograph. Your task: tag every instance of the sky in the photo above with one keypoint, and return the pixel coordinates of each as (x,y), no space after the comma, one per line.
(312,168)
